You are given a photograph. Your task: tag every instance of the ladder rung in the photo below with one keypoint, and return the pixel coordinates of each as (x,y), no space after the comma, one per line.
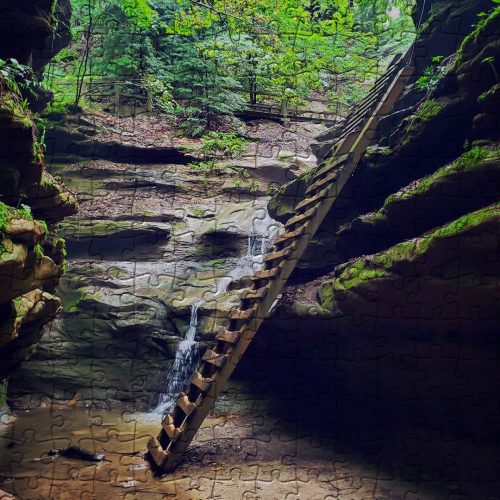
(168,425)
(267,274)
(185,405)
(290,236)
(326,180)
(313,199)
(280,254)
(332,164)
(302,217)
(157,453)
(225,335)
(255,294)
(242,315)
(201,382)
(214,358)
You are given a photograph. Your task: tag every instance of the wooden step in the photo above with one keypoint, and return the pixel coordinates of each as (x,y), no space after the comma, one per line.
(168,425)
(185,405)
(331,164)
(199,381)
(267,274)
(280,254)
(237,314)
(291,235)
(225,335)
(326,181)
(301,217)
(157,453)
(214,358)
(313,199)
(255,294)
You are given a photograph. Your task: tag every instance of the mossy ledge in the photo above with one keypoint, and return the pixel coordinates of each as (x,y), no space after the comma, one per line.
(445,260)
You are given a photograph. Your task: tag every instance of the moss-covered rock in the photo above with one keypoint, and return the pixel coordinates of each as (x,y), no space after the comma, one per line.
(447,273)
(467,184)
(35,306)
(443,25)
(49,199)
(32,33)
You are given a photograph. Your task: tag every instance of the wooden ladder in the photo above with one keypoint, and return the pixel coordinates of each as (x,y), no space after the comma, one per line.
(193,405)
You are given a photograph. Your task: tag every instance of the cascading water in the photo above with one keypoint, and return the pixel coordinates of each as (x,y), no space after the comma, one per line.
(247,265)
(187,353)
(186,360)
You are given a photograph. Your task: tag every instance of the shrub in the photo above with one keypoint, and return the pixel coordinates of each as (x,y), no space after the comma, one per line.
(223,144)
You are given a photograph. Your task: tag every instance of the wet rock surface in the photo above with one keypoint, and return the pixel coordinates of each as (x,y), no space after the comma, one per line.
(150,239)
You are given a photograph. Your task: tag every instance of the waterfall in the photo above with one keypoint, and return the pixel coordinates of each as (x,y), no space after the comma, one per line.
(246,265)
(185,362)
(187,354)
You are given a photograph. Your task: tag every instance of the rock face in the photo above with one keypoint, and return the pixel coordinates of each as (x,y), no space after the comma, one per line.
(31,257)
(150,240)
(398,296)
(395,310)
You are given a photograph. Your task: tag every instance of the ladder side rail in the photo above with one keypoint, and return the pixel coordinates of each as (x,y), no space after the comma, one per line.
(249,328)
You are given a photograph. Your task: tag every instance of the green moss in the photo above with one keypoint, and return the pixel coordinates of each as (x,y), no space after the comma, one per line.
(388,263)
(470,159)
(428,110)
(472,38)
(177,227)
(117,272)
(3,393)
(308,174)
(467,222)
(219,264)
(358,273)
(72,297)
(43,224)
(60,246)
(11,105)
(19,311)
(474,157)
(410,249)
(8,213)
(38,249)
(198,212)
(95,229)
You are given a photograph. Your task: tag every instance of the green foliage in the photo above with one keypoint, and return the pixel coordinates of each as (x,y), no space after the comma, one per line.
(161,94)
(431,75)
(222,144)
(272,190)
(206,167)
(7,213)
(18,78)
(491,62)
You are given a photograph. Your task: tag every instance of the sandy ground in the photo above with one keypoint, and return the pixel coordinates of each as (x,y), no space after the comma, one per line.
(241,455)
